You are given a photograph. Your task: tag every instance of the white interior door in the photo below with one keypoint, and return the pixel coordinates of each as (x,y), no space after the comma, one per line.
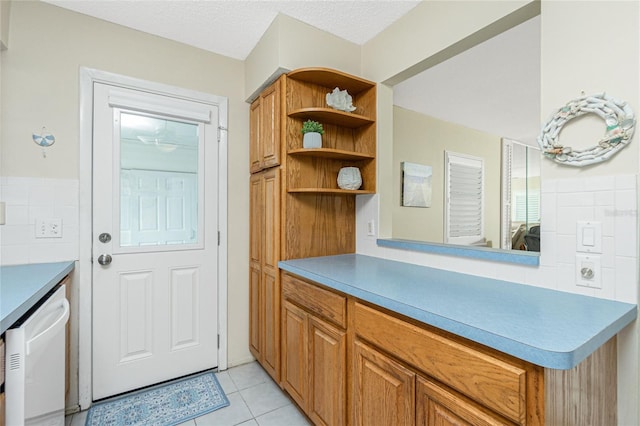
(155,239)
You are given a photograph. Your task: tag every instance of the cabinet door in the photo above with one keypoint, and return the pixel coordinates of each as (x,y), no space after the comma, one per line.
(264,279)
(384,389)
(295,373)
(270,119)
(270,272)
(327,360)
(255,153)
(255,313)
(256,196)
(438,406)
(271,337)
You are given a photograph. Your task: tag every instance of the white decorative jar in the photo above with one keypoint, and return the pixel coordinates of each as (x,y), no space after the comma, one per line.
(312,140)
(349,178)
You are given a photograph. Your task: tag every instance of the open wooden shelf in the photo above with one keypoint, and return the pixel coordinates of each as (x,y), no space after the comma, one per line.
(331,78)
(332,116)
(336,154)
(335,191)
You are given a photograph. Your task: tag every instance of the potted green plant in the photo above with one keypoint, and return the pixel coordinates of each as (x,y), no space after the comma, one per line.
(312,134)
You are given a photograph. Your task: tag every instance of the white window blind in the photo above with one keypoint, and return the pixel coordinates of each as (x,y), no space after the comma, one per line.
(527,207)
(464,183)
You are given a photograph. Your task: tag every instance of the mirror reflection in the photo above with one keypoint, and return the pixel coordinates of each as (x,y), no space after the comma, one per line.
(472,120)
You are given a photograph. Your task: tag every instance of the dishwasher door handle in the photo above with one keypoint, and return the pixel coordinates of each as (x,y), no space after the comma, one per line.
(44,336)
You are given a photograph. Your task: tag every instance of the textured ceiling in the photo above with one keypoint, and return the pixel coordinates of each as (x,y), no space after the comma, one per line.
(233,28)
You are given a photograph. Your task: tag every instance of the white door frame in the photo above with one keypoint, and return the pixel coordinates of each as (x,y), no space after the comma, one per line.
(88,77)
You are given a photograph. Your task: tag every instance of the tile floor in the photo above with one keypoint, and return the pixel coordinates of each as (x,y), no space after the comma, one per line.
(255,400)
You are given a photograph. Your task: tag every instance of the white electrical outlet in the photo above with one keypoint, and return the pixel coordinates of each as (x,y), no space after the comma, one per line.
(371,228)
(48,228)
(588,271)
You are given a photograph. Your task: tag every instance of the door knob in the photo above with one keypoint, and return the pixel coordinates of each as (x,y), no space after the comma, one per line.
(104,259)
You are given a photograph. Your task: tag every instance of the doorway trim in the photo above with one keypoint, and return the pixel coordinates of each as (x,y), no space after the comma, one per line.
(88,77)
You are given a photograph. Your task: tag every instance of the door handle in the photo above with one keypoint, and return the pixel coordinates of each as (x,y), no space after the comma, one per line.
(105,259)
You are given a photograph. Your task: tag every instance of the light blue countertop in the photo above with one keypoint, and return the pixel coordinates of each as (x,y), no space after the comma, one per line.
(545,327)
(22,286)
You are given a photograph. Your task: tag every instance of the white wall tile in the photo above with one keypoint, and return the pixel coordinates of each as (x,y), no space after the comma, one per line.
(543,276)
(549,209)
(608,282)
(548,186)
(16,234)
(599,183)
(605,198)
(569,216)
(548,248)
(626,272)
(53,252)
(570,185)
(17,214)
(28,199)
(625,182)
(566,248)
(15,193)
(608,256)
(42,193)
(14,254)
(577,199)
(605,215)
(40,211)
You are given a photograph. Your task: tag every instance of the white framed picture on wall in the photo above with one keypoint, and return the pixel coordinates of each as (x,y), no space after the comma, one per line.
(416,185)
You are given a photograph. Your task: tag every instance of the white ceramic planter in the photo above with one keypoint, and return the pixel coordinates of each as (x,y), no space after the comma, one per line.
(312,140)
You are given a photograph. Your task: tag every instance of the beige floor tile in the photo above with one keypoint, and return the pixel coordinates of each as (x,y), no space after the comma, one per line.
(288,415)
(236,413)
(248,375)
(264,397)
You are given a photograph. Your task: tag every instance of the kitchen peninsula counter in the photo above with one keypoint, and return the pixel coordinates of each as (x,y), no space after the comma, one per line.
(548,328)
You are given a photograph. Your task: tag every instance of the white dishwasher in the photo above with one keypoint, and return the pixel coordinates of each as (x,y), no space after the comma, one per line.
(35,364)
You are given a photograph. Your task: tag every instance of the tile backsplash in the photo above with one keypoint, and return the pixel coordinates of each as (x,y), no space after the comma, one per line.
(28,200)
(610,200)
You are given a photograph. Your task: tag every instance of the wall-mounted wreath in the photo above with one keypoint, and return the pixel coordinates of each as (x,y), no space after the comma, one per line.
(620,126)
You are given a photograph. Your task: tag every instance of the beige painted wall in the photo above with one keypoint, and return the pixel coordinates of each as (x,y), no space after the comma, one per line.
(568,70)
(418,138)
(5,9)
(289,44)
(409,44)
(40,87)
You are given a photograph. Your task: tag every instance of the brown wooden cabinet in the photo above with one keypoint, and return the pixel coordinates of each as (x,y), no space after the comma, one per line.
(303,213)
(314,348)
(264,282)
(265,124)
(479,383)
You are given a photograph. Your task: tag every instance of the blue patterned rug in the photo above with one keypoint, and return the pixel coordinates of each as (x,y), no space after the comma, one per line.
(162,405)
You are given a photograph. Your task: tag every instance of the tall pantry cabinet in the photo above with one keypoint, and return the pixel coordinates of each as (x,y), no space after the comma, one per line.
(296,207)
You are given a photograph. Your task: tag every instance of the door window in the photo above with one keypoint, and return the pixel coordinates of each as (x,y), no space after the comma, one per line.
(160,185)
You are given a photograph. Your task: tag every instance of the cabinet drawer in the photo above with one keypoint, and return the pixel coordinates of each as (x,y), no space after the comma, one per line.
(321,302)
(487,380)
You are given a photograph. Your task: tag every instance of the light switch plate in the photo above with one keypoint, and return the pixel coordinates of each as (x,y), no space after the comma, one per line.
(589,237)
